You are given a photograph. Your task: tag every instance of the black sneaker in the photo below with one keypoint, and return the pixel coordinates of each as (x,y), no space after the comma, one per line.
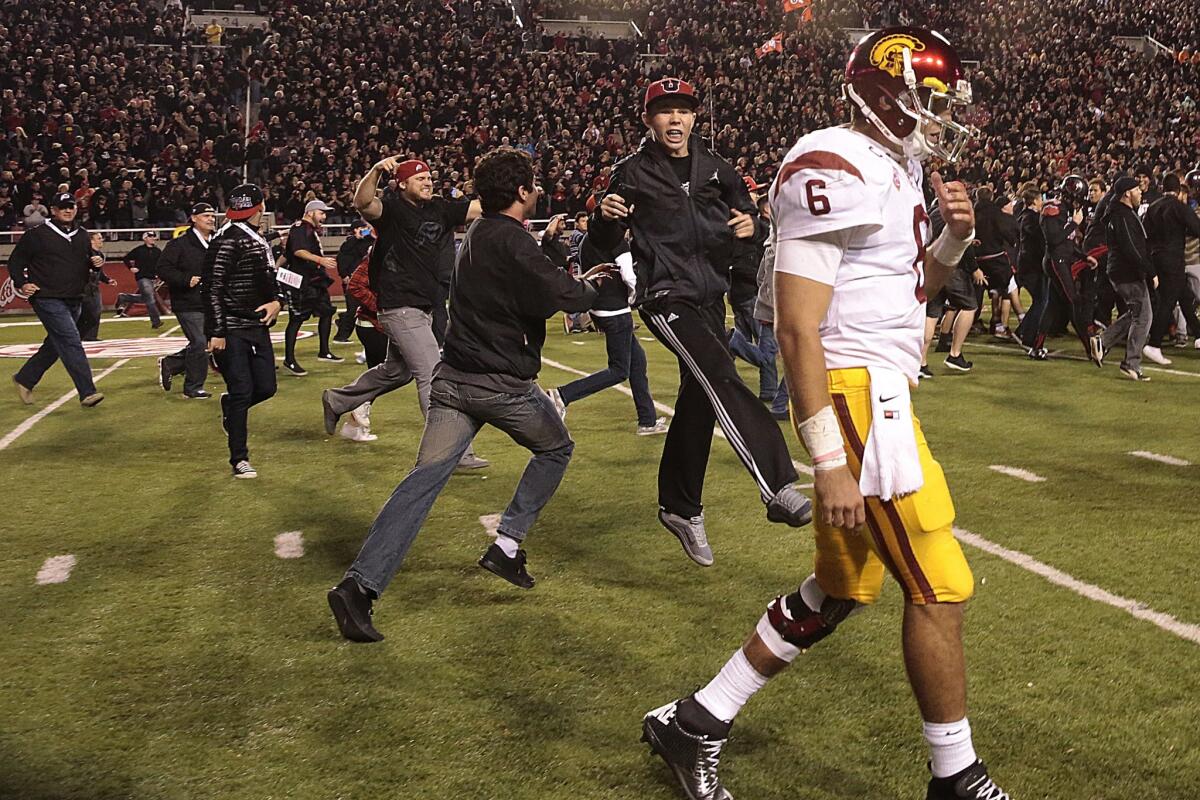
(294,368)
(972,783)
(511,569)
(692,756)
(199,394)
(943,345)
(244,471)
(351,608)
(224,401)
(959,363)
(330,357)
(924,373)
(1038,353)
(164,375)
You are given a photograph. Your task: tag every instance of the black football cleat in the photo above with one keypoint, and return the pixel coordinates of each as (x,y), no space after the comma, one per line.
(972,783)
(352,611)
(511,569)
(692,757)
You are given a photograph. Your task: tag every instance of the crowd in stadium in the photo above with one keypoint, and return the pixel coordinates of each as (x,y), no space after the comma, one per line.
(122,104)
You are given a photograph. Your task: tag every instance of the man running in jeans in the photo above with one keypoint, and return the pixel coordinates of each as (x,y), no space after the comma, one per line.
(413,228)
(181,266)
(685,206)
(626,358)
(503,291)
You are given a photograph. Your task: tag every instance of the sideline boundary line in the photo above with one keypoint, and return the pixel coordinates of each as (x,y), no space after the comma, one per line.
(1089,591)
(23,428)
(1059,354)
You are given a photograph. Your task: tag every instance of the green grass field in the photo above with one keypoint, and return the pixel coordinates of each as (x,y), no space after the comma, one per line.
(183,659)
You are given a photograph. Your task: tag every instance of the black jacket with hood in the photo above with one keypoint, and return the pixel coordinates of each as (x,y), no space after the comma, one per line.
(682,242)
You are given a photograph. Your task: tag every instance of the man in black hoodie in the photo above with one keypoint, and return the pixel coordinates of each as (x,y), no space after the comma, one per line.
(503,291)
(1169,222)
(1129,269)
(50,265)
(685,207)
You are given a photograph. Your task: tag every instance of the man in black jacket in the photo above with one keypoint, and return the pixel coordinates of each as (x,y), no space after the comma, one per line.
(1129,269)
(142,262)
(995,230)
(181,267)
(1031,253)
(1169,222)
(241,301)
(353,250)
(50,266)
(504,289)
(685,207)
(1061,223)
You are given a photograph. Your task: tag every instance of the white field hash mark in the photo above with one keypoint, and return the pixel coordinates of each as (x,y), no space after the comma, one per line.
(1184,630)
(55,569)
(1018,473)
(1172,460)
(290,545)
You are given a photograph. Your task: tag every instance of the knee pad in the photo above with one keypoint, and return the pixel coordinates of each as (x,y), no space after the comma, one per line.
(797,624)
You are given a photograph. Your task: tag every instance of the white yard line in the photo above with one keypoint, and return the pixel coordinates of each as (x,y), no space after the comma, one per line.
(1168,623)
(1018,473)
(290,545)
(1172,460)
(1183,630)
(55,569)
(24,427)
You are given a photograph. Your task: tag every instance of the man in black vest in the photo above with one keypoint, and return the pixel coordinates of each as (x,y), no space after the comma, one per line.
(181,267)
(50,266)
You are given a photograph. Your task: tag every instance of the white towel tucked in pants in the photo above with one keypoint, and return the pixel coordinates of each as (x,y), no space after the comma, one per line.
(891,464)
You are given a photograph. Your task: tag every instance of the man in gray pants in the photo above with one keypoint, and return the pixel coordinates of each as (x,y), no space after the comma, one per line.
(1129,270)
(413,229)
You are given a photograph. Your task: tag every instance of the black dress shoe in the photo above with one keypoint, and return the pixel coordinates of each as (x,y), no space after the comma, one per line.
(511,569)
(199,394)
(351,609)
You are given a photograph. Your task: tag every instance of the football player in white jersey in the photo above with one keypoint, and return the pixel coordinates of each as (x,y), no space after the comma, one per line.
(852,272)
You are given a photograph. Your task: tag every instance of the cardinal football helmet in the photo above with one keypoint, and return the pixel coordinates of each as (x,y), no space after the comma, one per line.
(901,79)
(1073,189)
(1192,182)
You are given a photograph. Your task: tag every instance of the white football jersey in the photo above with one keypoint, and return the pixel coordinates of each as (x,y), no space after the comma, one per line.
(836,179)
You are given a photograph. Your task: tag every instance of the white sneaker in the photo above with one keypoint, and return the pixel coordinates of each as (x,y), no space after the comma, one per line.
(660,426)
(559,405)
(242,469)
(1154,354)
(362,415)
(356,433)
(360,357)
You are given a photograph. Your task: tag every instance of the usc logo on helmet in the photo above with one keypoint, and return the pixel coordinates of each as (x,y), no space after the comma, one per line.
(888,53)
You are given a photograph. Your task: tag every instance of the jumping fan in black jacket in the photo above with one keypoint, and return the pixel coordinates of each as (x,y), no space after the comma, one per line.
(685,207)
(181,267)
(241,301)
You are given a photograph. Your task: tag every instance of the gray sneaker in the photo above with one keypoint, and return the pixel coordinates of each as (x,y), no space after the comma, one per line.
(471,462)
(331,416)
(660,426)
(790,506)
(690,533)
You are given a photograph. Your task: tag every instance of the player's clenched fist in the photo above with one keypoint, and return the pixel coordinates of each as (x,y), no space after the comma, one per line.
(613,207)
(839,499)
(955,205)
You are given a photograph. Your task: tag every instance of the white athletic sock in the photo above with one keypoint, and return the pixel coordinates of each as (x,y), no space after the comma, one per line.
(734,685)
(508,544)
(950,748)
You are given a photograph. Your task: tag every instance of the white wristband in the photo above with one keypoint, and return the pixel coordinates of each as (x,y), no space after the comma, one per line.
(822,437)
(948,249)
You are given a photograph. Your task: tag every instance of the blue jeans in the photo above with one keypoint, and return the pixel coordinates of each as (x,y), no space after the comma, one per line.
(193,359)
(626,359)
(60,319)
(150,298)
(761,355)
(456,413)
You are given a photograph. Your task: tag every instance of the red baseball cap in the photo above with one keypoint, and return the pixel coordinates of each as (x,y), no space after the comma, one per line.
(671,88)
(407,169)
